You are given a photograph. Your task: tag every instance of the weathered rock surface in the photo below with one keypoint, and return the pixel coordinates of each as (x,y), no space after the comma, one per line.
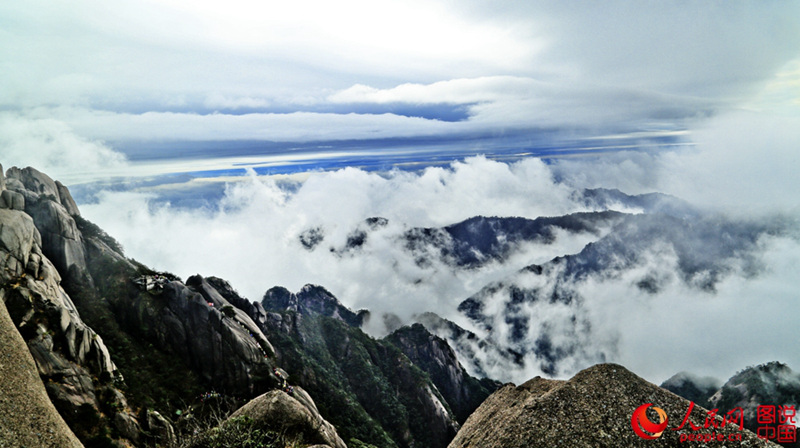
(221,344)
(27,417)
(45,200)
(434,355)
(62,345)
(593,409)
(12,199)
(69,355)
(35,182)
(159,428)
(285,414)
(66,199)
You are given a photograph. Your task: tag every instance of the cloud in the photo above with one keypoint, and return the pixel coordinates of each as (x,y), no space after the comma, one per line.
(744,323)
(254,234)
(743,161)
(500,102)
(53,147)
(252,239)
(740,162)
(459,91)
(135,72)
(539,64)
(293,127)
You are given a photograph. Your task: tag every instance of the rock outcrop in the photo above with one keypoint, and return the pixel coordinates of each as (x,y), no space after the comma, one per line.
(593,409)
(294,416)
(310,300)
(434,355)
(52,207)
(27,417)
(70,356)
(220,343)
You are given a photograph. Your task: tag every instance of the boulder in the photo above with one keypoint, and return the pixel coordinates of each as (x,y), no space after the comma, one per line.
(17,238)
(285,414)
(12,199)
(127,426)
(61,239)
(51,206)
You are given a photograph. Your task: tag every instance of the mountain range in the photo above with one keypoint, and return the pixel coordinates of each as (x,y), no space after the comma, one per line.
(114,353)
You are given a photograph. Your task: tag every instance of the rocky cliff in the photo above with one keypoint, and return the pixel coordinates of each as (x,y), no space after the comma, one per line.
(593,409)
(59,272)
(434,355)
(27,417)
(80,377)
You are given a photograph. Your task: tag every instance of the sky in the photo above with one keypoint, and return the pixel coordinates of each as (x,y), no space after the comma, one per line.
(174,80)
(206,136)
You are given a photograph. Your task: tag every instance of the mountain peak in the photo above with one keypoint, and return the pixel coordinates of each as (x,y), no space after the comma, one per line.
(592,409)
(310,300)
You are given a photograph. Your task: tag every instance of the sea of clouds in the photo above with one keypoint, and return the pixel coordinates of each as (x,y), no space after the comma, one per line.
(742,165)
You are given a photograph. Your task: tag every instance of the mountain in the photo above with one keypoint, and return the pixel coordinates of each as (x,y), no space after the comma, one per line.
(126,352)
(770,384)
(479,240)
(649,252)
(374,391)
(120,351)
(128,356)
(434,355)
(649,203)
(592,409)
(526,287)
(692,387)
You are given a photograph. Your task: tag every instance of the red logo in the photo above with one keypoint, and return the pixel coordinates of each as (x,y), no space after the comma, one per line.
(640,423)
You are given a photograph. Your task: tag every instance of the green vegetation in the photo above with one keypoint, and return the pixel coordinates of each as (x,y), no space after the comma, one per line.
(366,388)
(228,311)
(238,432)
(243,432)
(153,378)
(91,230)
(355,443)
(311,366)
